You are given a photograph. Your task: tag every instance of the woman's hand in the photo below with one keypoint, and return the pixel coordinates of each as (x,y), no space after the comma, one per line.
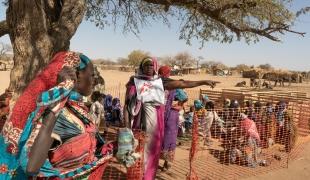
(212,84)
(67,73)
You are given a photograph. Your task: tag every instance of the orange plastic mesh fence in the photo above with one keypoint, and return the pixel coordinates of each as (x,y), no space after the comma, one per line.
(136,171)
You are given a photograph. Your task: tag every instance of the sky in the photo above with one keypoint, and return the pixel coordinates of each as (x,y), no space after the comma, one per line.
(160,40)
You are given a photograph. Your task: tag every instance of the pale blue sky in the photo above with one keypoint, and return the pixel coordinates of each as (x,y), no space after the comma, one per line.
(293,53)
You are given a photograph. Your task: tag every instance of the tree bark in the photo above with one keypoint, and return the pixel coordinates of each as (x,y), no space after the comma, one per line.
(38,29)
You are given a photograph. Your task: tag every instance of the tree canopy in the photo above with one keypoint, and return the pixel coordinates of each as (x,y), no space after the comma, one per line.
(205,20)
(135,57)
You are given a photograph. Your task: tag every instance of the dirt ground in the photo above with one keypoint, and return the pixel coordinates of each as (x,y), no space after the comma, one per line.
(116,80)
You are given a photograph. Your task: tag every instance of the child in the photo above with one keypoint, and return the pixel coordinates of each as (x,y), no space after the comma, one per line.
(96,108)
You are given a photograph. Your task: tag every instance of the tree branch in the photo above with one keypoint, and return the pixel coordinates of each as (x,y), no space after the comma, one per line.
(71,16)
(217,14)
(4,28)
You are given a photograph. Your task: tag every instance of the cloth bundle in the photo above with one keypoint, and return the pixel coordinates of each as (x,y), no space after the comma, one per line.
(127,145)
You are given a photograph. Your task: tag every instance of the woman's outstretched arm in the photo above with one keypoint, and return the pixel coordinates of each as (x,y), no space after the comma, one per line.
(182,84)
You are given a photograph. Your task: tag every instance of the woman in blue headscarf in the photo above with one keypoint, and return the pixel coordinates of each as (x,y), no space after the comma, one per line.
(174,104)
(49,121)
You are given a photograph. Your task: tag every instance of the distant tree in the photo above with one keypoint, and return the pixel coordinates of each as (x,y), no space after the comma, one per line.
(212,64)
(266,67)
(168,60)
(135,57)
(198,60)
(122,61)
(184,59)
(242,67)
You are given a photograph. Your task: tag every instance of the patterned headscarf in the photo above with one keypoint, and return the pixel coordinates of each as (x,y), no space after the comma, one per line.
(84,61)
(164,71)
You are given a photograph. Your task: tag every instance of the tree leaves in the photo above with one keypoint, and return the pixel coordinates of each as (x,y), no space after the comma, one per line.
(203,20)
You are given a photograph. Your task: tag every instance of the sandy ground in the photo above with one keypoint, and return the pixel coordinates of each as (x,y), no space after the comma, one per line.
(297,170)
(116,80)
(4,80)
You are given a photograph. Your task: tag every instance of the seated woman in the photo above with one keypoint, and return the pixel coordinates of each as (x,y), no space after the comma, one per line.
(49,121)
(245,148)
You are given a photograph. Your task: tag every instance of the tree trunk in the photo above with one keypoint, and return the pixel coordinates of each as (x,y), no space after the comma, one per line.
(38,30)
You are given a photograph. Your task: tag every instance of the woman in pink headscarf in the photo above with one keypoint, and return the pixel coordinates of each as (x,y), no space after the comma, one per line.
(144,108)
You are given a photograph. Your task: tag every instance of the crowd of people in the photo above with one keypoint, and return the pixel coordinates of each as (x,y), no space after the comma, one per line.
(243,131)
(55,132)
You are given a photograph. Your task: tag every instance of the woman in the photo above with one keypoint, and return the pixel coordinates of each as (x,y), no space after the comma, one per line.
(49,121)
(108,108)
(173,104)
(252,139)
(117,112)
(144,108)
(201,113)
(171,119)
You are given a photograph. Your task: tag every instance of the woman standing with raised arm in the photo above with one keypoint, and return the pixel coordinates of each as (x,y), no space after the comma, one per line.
(144,108)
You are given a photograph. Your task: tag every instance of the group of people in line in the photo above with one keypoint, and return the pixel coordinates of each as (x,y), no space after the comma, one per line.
(244,130)
(53,133)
